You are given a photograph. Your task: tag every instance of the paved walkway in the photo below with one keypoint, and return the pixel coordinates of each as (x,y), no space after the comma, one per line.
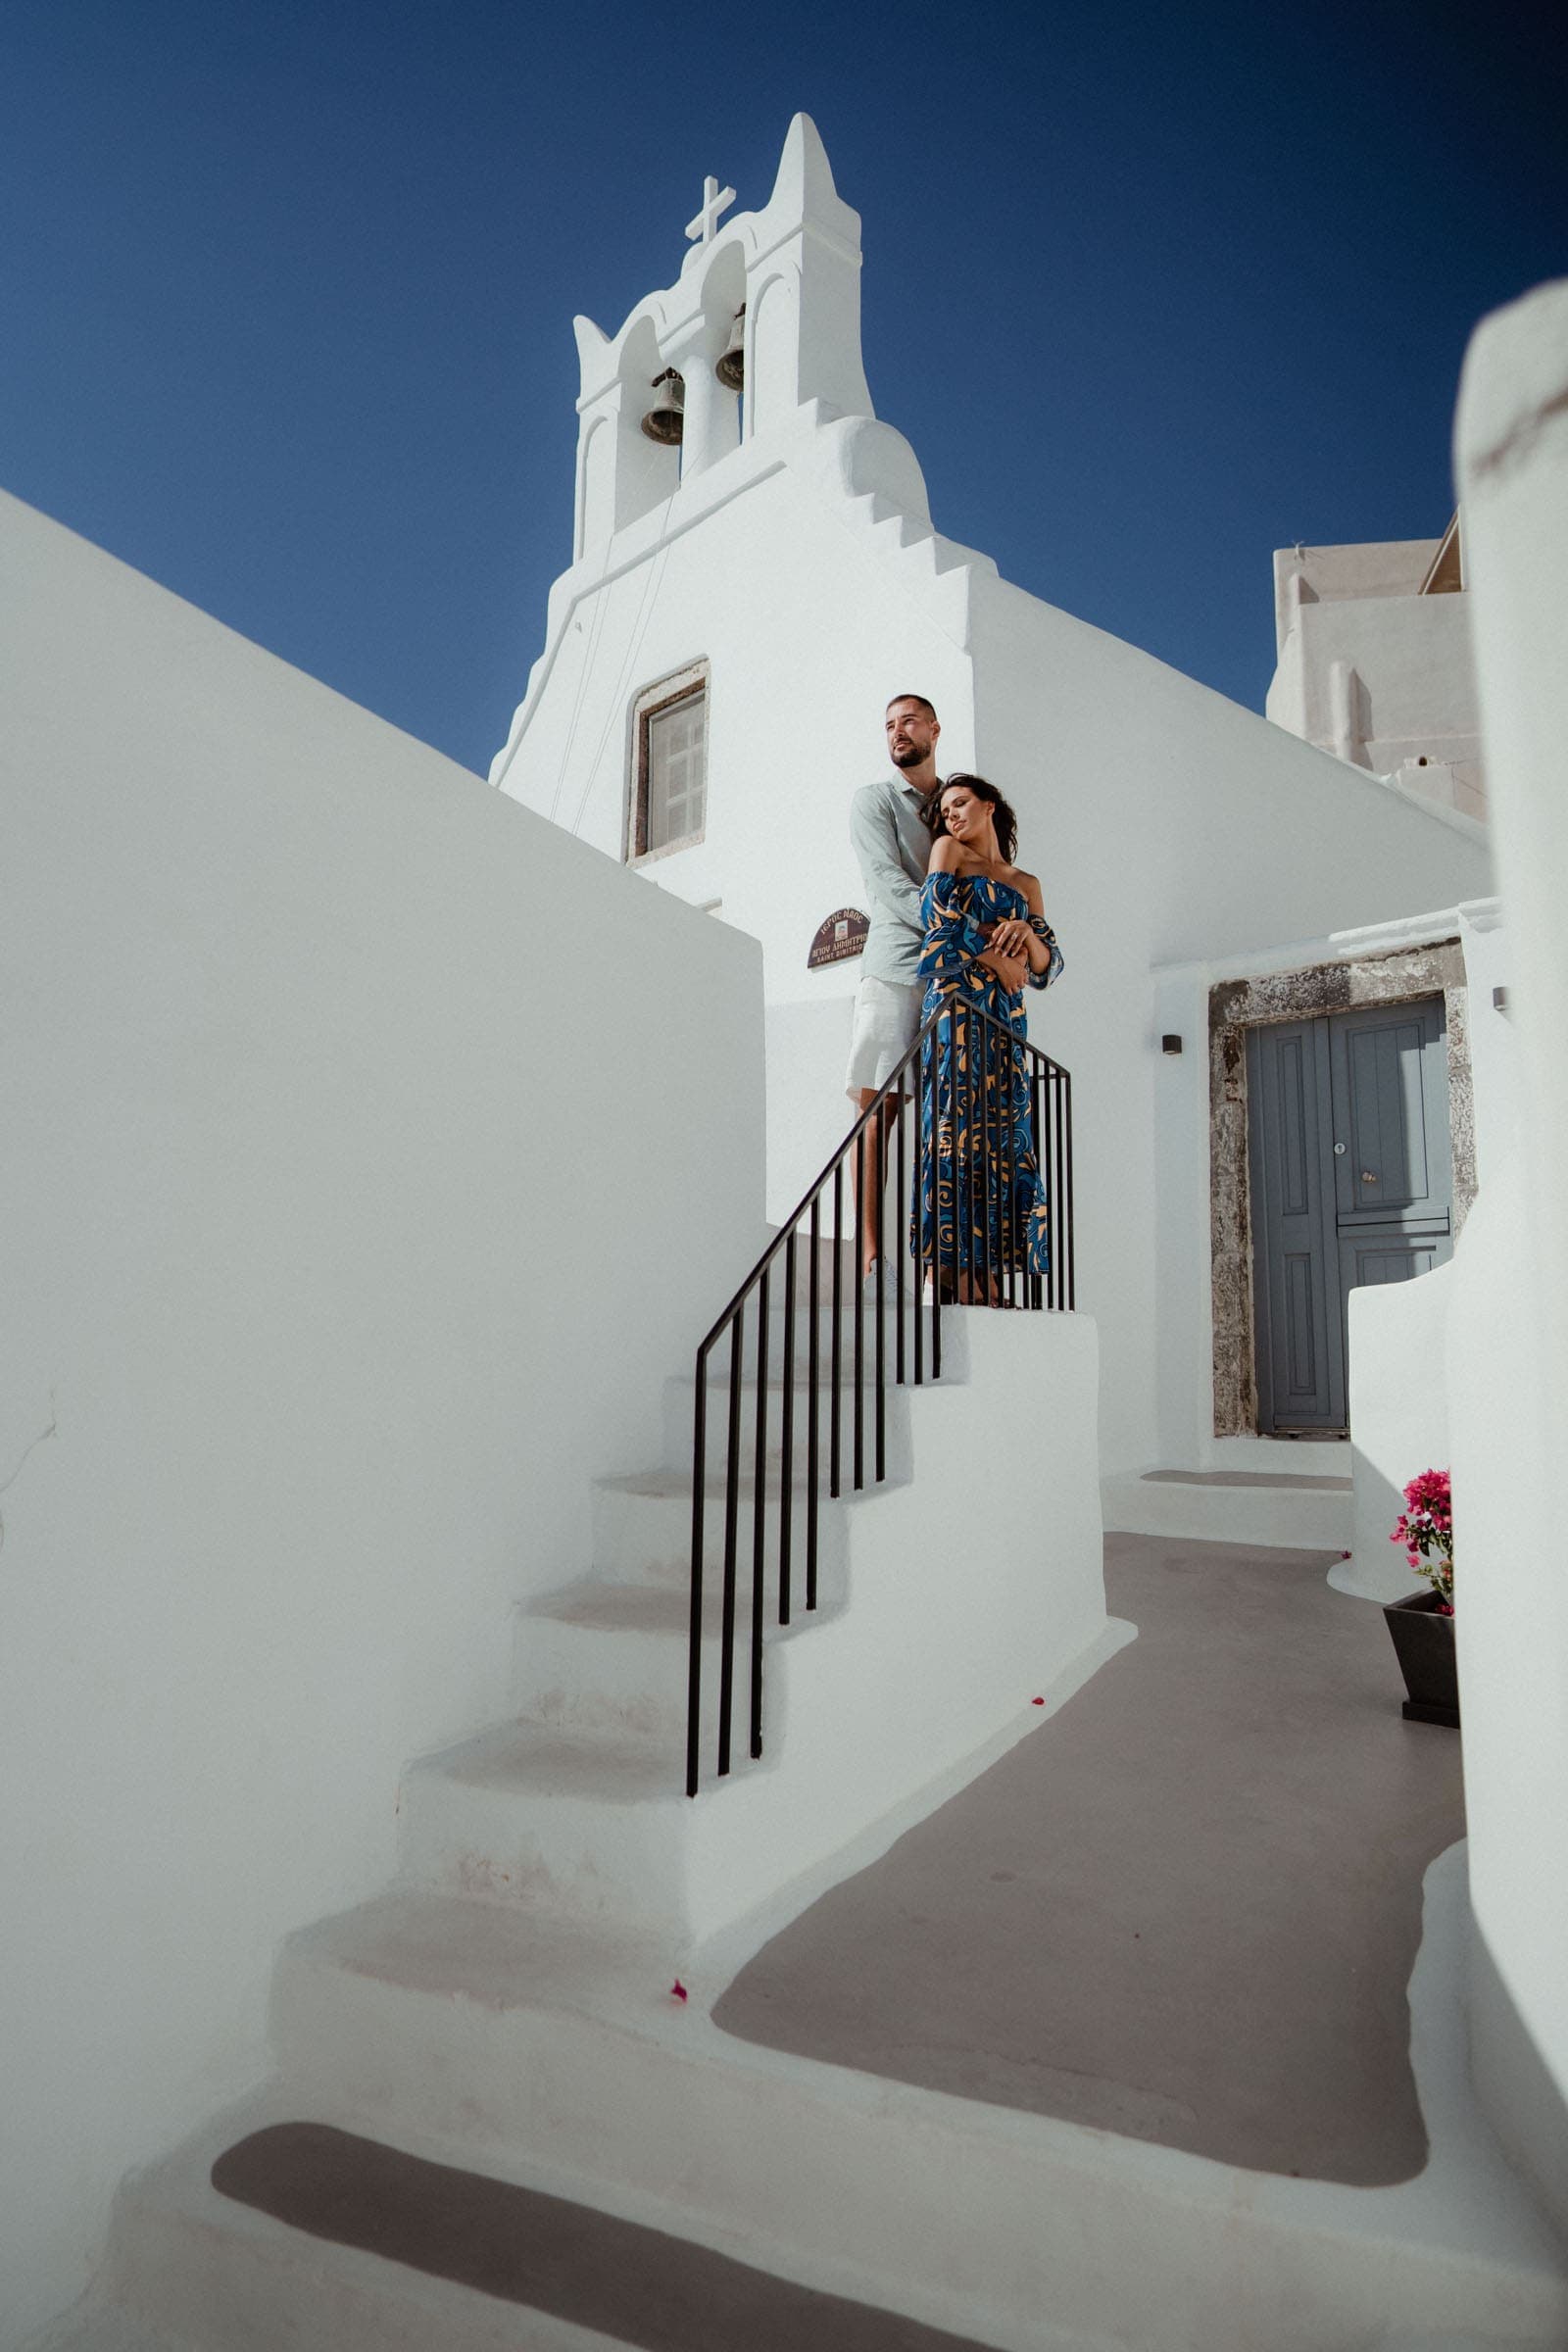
(1186,1909)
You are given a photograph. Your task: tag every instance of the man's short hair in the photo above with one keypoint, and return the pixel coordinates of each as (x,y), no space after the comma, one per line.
(929,709)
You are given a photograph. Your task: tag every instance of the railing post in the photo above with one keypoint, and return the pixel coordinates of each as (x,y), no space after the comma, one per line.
(880,1156)
(759,1513)
(786,1523)
(859,1304)
(694,1667)
(837,1340)
(981,1066)
(1072,1245)
(1046,1178)
(901,1234)
(813,1474)
(732,1480)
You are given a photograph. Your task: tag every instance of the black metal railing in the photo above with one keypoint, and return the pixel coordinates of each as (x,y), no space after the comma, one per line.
(956,1153)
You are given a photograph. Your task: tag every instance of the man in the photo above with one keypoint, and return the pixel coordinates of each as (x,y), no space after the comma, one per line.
(890,829)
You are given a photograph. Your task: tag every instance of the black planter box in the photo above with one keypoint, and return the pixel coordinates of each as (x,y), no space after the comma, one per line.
(1423,1643)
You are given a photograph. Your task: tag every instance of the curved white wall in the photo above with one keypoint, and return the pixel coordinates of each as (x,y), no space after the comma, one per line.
(1508,1351)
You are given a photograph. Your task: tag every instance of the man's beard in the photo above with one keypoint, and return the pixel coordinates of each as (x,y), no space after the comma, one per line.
(910,758)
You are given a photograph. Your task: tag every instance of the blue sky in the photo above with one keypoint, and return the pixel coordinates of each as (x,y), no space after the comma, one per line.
(286,291)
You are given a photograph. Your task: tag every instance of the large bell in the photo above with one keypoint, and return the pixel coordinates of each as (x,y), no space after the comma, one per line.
(730,366)
(664,420)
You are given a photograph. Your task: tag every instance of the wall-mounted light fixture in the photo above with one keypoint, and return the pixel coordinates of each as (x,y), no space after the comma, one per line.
(1171,1043)
(1499,1000)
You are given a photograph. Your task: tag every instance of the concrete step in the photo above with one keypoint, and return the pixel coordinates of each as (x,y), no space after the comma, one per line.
(1294,1511)
(508,2043)
(550,1816)
(224,2272)
(610,1661)
(192,2271)
(515,2004)
(642,1523)
(680,1396)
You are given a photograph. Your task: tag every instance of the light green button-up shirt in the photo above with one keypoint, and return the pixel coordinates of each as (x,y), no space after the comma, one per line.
(893,845)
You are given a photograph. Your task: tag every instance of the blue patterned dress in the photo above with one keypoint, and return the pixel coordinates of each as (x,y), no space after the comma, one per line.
(981,1203)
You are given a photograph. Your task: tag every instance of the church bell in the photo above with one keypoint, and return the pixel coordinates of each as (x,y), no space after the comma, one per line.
(663,420)
(730,367)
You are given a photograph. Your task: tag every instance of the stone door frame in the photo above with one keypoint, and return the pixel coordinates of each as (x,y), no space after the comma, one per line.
(1391,977)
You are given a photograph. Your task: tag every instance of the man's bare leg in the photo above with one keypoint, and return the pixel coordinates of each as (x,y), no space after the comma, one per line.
(874,1150)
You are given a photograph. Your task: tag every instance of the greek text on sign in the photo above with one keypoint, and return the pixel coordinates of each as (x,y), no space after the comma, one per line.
(839,937)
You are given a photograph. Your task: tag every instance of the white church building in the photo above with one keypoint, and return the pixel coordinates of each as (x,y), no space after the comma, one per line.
(350,1403)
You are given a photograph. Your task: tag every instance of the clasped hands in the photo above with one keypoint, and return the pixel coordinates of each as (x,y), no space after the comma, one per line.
(1007,952)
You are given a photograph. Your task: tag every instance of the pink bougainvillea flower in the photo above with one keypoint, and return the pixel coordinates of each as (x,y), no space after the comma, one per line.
(1037,1703)
(1425,1527)
(679,1990)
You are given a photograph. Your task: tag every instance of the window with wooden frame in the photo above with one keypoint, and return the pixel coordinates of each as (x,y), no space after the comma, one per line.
(668,802)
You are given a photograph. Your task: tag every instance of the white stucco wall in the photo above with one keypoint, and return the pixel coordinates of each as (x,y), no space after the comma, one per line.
(1508,1332)
(1355,569)
(762,570)
(1398,1405)
(1399,1331)
(809,613)
(1416,700)
(371,1153)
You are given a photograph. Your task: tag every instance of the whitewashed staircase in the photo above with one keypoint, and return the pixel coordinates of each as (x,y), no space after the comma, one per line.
(509,2005)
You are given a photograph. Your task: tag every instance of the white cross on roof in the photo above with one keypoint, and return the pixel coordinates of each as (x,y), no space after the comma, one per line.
(715,200)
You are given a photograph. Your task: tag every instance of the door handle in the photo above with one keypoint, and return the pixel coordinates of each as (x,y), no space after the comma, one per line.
(1367,1176)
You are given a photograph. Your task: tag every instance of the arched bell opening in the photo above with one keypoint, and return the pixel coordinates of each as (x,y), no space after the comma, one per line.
(716,351)
(730,367)
(625,475)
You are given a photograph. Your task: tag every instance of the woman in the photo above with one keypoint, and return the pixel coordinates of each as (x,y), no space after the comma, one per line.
(982,1207)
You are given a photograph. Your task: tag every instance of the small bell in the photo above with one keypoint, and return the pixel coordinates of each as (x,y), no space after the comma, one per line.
(730,368)
(663,420)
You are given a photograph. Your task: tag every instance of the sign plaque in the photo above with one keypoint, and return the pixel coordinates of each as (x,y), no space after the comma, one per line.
(839,936)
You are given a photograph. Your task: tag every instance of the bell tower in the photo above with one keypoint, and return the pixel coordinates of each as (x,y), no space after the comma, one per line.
(803,310)
(762,325)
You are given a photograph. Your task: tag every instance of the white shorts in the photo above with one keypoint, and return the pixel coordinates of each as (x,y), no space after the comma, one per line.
(887,1021)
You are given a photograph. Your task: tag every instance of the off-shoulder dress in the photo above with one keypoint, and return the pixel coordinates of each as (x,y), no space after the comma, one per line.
(981,1209)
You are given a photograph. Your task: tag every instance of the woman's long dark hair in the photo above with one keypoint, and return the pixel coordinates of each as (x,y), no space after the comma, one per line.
(1001,814)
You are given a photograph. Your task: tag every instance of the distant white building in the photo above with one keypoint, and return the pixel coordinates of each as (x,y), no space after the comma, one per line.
(1375,663)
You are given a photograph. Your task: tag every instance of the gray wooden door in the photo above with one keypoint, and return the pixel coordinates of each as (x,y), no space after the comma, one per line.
(1351,1183)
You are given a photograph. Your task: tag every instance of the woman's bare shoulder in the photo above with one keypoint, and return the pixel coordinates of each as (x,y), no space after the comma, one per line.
(1029,884)
(944,855)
